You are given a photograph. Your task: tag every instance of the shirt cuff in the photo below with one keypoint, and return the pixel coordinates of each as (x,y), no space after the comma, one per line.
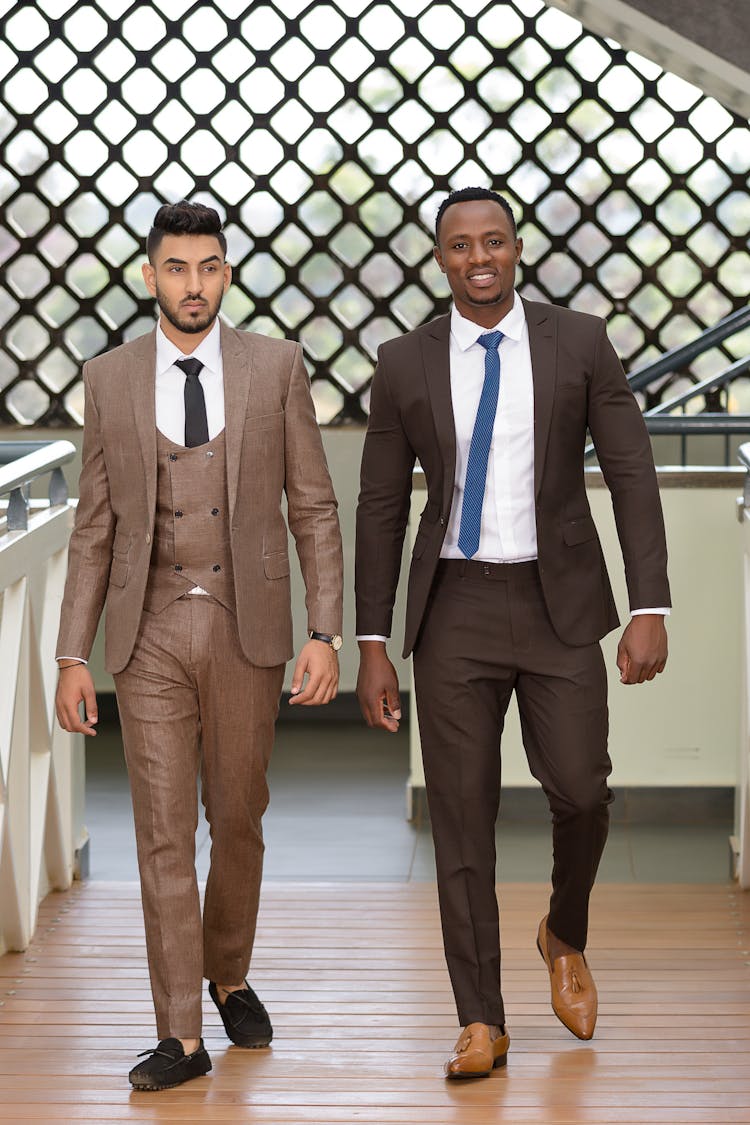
(370,637)
(78,659)
(639,612)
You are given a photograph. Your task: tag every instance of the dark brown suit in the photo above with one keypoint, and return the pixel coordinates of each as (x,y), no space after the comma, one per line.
(479,634)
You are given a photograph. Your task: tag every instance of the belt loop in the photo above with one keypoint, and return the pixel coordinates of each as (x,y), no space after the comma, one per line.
(462,567)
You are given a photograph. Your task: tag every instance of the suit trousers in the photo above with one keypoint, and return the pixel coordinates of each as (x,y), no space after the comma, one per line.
(486,634)
(191,703)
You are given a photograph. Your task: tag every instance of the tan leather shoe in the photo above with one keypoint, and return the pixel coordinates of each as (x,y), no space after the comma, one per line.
(476,1052)
(574,999)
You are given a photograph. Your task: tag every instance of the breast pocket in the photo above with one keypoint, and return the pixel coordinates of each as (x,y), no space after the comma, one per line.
(259,422)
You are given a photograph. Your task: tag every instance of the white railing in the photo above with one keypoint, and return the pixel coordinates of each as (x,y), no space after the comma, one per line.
(41,767)
(741,842)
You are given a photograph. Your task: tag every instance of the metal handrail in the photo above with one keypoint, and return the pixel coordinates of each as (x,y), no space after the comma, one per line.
(721,424)
(686,353)
(21,462)
(739,367)
(657,418)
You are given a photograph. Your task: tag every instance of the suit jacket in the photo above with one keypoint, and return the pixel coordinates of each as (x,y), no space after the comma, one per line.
(579,385)
(273,445)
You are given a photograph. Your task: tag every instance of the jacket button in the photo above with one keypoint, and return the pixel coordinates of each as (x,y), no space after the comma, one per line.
(172,456)
(209,453)
(178,514)
(214,511)
(177,567)
(216,567)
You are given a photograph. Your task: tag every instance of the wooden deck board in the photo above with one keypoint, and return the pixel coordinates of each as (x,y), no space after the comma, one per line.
(354,978)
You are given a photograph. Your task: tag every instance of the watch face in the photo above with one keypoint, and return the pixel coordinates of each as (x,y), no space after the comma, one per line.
(336,642)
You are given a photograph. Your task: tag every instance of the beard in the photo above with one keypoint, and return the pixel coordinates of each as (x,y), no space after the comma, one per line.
(190,323)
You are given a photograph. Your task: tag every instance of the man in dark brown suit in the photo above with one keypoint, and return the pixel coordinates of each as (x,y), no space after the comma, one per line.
(192,435)
(508,591)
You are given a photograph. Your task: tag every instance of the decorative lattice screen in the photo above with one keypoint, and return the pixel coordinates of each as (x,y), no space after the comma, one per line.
(327,133)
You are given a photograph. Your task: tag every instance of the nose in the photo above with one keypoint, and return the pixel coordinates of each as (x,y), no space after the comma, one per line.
(194,282)
(478,253)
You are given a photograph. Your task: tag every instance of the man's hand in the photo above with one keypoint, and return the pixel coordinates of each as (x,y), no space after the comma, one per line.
(321,664)
(75,686)
(377,687)
(642,651)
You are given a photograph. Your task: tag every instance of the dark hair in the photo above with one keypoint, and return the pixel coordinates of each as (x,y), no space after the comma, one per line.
(184,218)
(468,195)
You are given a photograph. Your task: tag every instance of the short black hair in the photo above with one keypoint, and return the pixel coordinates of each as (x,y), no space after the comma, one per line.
(468,195)
(184,218)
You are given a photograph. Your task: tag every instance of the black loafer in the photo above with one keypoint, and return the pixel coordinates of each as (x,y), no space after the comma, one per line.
(168,1066)
(245,1019)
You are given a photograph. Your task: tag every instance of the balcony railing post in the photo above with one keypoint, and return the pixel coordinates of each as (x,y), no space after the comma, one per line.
(741,841)
(41,766)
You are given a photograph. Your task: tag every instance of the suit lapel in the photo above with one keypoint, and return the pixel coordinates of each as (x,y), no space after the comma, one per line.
(237,361)
(140,376)
(436,357)
(542,344)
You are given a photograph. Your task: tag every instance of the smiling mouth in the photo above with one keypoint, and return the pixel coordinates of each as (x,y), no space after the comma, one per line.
(481,278)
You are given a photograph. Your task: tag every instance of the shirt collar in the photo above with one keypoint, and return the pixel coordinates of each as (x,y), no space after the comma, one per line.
(467,332)
(208,351)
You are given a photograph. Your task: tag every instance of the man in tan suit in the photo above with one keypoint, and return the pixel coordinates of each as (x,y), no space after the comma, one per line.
(192,434)
(508,591)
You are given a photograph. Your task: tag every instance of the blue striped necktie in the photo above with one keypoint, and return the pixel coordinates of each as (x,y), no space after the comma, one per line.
(479,450)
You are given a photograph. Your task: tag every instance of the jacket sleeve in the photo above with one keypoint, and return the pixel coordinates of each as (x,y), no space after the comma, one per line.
(383,509)
(624,451)
(311,505)
(90,548)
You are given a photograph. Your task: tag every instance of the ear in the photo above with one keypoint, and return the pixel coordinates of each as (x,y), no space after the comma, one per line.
(438,257)
(519,249)
(149,276)
(227,276)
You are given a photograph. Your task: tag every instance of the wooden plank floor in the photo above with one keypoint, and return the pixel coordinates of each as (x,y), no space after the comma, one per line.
(354,979)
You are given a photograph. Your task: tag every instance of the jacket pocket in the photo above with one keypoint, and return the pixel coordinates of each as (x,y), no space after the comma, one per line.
(121,544)
(579,531)
(118,572)
(276,565)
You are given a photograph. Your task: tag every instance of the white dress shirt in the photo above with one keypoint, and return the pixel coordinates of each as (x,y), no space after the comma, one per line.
(170,384)
(508,530)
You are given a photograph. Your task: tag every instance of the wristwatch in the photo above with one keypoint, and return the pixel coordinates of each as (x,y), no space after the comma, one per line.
(332,639)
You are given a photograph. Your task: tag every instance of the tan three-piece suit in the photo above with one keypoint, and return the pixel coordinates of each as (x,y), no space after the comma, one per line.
(480,631)
(198,677)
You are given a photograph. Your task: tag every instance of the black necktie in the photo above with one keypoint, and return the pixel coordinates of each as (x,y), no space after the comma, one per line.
(196,424)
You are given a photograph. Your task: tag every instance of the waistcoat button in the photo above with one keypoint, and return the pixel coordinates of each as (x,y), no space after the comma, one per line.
(177,566)
(178,513)
(216,567)
(172,456)
(214,511)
